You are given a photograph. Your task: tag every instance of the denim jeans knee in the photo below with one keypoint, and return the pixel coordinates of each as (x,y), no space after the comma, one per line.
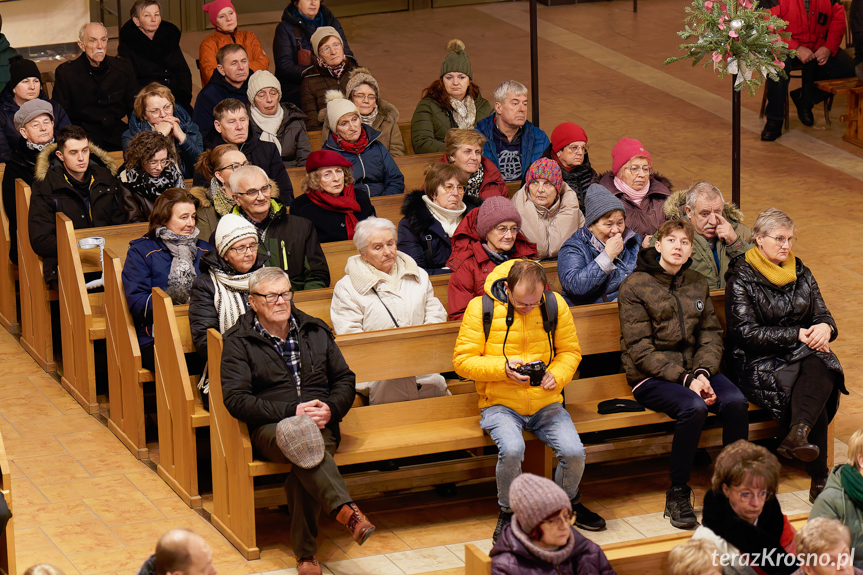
(505,426)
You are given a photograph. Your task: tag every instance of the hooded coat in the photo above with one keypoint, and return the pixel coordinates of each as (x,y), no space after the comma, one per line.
(386,122)
(294,33)
(431,122)
(835,503)
(258,387)
(6,54)
(375,172)
(763,323)
(585,271)
(492,182)
(646,218)
(148,263)
(188,151)
(470,264)
(52,193)
(702,254)
(422,237)
(98,102)
(509,556)
(292,136)
(316,83)
(258,59)
(216,90)
(550,227)
(482,360)
(158,60)
(9,136)
(668,327)
(533,143)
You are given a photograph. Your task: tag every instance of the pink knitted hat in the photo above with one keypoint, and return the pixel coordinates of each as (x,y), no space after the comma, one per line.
(493,211)
(213,8)
(533,498)
(625,150)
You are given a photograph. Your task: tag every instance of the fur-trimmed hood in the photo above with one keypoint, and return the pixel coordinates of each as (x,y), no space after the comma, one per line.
(419,217)
(43,161)
(674,208)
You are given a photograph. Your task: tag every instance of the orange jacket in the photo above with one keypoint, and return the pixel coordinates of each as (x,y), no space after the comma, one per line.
(207,55)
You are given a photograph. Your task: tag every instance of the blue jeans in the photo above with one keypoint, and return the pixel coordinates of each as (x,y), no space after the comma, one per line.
(553,426)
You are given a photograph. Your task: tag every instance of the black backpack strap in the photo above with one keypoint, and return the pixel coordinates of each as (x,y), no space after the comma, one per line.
(428,239)
(549,321)
(487,314)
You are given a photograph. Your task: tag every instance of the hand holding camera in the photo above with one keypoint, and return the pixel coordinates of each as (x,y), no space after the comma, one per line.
(534,372)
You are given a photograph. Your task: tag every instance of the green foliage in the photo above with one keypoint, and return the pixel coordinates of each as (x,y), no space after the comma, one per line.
(737,38)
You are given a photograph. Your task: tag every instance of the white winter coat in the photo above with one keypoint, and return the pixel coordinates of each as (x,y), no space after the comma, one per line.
(356,309)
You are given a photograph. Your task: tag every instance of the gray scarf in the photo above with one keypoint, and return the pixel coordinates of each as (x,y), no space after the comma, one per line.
(555,557)
(183,251)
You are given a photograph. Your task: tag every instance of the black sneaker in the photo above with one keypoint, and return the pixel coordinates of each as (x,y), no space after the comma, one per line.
(678,506)
(587,519)
(503,519)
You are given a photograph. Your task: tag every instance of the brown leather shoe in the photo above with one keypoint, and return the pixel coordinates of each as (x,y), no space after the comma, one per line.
(308,566)
(796,444)
(357,523)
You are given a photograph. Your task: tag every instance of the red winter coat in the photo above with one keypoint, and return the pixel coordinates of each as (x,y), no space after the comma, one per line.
(471,265)
(805,29)
(492,182)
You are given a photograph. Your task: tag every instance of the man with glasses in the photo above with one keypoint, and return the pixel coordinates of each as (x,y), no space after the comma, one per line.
(231,123)
(279,363)
(524,330)
(289,242)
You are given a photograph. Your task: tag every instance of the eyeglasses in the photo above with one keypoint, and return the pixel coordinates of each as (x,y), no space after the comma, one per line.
(782,240)
(503,230)
(233,166)
(564,520)
(577,148)
(250,194)
(159,163)
(450,188)
(328,49)
(522,306)
(635,170)
(274,297)
(241,250)
(366,97)
(166,111)
(747,495)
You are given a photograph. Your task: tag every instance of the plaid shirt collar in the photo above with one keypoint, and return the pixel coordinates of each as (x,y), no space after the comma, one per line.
(288,349)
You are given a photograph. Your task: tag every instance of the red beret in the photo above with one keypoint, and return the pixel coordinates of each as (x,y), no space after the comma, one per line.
(565,134)
(326,159)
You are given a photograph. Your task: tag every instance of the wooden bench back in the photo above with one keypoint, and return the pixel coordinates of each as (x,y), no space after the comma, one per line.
(7,539)
(8,273)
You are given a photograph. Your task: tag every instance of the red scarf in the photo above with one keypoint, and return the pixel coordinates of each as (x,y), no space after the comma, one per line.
(357,147)
(346,203)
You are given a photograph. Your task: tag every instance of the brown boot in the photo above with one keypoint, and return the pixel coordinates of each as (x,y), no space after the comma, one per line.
(796,444)
(357,523)
(308,566)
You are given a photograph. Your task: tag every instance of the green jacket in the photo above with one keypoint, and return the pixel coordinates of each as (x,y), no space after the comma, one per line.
(834,503)
(431,122)
(702,256)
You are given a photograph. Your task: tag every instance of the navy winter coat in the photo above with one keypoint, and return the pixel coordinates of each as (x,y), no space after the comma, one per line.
(510,557)
(9,136)
(533,143)
(422,237)
(375,171)
(581,277)
(216,90)
(285,50)
(189,150)
(147,265)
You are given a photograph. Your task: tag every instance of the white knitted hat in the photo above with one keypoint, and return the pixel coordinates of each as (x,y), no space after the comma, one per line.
(233,228)
(320,34)
(338,106)
(260,80)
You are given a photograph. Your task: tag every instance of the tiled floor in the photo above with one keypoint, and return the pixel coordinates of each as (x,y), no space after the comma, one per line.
(85,504)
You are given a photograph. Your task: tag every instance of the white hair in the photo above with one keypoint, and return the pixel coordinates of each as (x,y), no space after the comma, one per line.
(367,227)
(84,27)
(243,174)
(700,190)
(507,88)
(267,275)
(769,220)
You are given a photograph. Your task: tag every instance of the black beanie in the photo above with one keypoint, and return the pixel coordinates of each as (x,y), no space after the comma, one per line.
(21,69)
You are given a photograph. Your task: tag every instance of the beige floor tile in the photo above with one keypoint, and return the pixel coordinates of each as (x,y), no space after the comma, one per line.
(32,538)
(378,544)
(616,531)
(425,560)
(150,484)
(130,508)
(52,469)
(173,507)
(42,515)
(112,464)
(59,424)
(50,555)
(88,444)
(405,519)
(18,449)
(150,531)
(483,545)
(329,551)
(434,535)
(792,504)
(112,560)
(108,486)
(82,536)
(378,565)
(25,494)
(651,525)
(250,567)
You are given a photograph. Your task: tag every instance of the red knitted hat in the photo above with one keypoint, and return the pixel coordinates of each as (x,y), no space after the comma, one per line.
(326,159)
(565,134)
(493,211)
(625,150)
(213,8)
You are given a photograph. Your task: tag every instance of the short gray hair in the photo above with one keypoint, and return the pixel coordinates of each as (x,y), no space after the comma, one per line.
(84,27)
(507,88)
(769,220)
(700,190)
(367,227)
(266,275)
(244,174)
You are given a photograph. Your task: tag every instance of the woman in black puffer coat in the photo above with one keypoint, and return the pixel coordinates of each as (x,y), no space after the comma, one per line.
(779,329)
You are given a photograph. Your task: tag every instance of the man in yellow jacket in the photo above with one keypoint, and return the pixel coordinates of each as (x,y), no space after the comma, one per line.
(522,331)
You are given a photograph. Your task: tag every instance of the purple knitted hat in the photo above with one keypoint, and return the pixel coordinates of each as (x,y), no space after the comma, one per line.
(545,169)
(533,498)
(493,211)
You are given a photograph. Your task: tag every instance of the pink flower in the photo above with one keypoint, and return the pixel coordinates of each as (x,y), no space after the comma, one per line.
(717,57)
(721,25)
(770,28)
(779,63)
(708,5)
(732,33)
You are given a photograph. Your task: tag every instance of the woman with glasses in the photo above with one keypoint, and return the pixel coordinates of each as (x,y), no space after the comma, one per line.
(156,110)
(548,207)
(541,538)
(569,149)
(167,257)
(215,201)
(431,216)
(779,334)
(151,168)
(363,90)
(742,516)
(220,294)
(463,149)
(641,190)
(330,70)
(485,238)
(329,200)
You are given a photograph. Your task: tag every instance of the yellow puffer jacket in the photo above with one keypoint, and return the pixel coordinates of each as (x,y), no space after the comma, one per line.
(482,361)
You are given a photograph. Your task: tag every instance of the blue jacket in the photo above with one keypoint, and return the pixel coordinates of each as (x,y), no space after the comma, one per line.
(188,151)
(147,265)
(216,90)
(580,274)
(533,143)
(374,170)
(9,136)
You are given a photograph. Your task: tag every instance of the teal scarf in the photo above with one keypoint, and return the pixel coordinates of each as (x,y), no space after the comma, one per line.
(852,483)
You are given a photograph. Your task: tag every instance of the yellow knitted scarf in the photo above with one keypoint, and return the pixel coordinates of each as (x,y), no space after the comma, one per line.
(777,275)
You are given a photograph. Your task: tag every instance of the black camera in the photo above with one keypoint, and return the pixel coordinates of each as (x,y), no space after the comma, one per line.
(535,370)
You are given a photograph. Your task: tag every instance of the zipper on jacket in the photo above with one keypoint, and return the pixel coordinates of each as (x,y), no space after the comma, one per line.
(679,311)
(368,189)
